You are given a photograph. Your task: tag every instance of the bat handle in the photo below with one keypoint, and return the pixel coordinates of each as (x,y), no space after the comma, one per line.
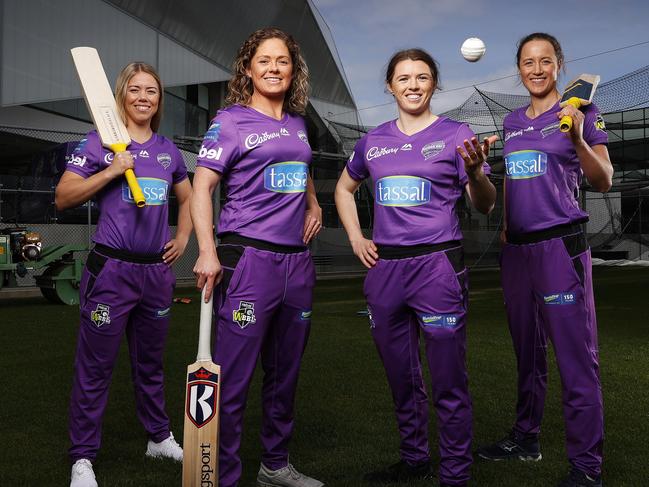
(133,185)
(566,122)
(205,330)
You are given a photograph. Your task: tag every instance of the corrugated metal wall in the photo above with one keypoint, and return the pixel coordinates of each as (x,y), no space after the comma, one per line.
(37,36)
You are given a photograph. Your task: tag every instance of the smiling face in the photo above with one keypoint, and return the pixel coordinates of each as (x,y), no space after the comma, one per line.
(142,99)
(271,69)
(412,85)
(539,67)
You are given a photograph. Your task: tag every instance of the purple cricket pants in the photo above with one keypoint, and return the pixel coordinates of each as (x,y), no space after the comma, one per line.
(120,293)
(425,295)
(548,288)
(263,308)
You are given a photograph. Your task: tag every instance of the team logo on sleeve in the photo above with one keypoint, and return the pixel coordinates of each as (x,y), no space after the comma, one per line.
(213,132)
(245,315)
(439,320)
(202,387)
(302,136)
(210,154)
(75,160)
(526,164)
(286,177)
(156,191)
(164,159)
(81,145)
(559,298)
(599,123)
(432,149)
(101,315)
(402,191)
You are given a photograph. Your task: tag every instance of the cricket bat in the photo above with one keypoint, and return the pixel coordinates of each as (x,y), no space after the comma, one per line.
(101,105)
(200,440)
(579,92)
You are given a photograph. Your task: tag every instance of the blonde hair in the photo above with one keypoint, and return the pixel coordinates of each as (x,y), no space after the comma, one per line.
(240,87)
(121,87)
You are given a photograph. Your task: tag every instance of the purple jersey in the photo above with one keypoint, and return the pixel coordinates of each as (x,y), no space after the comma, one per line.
(122,225)
(417,181)
(265,164)
(542,169)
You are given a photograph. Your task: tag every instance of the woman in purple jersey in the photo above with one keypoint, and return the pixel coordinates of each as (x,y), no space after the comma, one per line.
(546,266)
(262,269)
(128,282)
(417,283)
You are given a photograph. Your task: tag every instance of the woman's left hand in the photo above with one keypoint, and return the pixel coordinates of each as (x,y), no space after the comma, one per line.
(576,132)
(312,223)
(476,154)
(173,251)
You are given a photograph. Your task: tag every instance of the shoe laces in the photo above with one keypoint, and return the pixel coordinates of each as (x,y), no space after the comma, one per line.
(295,475)
(83,468)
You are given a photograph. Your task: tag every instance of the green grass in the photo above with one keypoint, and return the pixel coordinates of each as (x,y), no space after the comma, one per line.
(345,422)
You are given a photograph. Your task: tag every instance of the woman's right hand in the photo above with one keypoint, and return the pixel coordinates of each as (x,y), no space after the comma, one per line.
(366,251)
(121,162)
(208,272)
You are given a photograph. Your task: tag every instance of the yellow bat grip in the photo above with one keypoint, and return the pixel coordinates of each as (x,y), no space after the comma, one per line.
(133,185)
(566,122)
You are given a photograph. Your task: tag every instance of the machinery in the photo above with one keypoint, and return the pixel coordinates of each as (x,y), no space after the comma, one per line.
(22,251)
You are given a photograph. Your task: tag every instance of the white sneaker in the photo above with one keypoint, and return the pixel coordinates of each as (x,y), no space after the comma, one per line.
(168,448)
(284,477)
(82,474)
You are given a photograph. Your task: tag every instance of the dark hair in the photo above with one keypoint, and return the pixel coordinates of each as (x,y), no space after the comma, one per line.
(240,87)
(121,87)
(543,37)
(415,54)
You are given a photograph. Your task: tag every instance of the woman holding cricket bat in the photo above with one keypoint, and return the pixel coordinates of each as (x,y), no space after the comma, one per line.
(546,265)
(128,282)
(417,285)
(261,273)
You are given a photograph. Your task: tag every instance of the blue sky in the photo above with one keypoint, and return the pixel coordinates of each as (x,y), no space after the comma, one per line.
(368,32)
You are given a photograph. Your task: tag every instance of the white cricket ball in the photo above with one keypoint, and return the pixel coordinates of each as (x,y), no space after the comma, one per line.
(473,49)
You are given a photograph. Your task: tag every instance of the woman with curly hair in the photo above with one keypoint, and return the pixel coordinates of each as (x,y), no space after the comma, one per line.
(261,272)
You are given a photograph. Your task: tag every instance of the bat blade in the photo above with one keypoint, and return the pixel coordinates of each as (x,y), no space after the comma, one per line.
(200,438)
(101,105)
(578,92)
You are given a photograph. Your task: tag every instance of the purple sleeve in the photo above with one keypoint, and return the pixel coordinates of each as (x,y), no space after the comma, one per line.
(85,160)
(464,132)
(180,171)
(221,145)
(356,164)
(594,127)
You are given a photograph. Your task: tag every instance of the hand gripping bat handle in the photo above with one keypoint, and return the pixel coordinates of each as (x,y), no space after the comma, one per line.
(566,122)
(133,185)
(205,330)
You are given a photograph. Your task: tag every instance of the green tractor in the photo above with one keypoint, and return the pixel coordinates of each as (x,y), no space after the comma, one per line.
(21,251)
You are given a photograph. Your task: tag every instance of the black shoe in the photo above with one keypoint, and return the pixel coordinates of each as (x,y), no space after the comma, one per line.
(400,472)
(514,446)
(577,478)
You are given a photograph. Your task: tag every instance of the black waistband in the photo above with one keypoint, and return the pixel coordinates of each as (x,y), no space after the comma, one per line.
(235,239)
(405,251)
(127,256)
(546,234)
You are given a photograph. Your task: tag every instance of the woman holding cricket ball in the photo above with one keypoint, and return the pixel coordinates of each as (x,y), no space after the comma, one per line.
(417,284)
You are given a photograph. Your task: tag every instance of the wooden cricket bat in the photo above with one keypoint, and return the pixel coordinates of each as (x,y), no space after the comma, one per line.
(101,105)
(200,440)
(579,92)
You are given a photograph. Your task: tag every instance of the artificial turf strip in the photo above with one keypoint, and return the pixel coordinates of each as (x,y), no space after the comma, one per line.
(345,423)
